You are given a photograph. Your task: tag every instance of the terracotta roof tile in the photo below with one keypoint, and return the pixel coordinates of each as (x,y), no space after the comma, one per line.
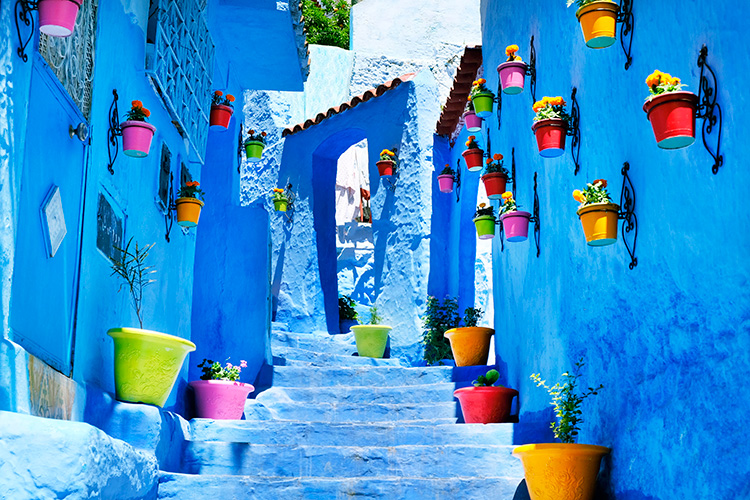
(466,73)
(354,101)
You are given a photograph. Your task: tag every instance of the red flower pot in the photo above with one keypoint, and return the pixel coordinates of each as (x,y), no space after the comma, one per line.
(473,158)
(220,116)
(550,136)
(485,405)
(385,168)
(672,116)
(446,183)
(494,184)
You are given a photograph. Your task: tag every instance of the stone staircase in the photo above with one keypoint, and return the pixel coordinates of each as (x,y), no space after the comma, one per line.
(332,425)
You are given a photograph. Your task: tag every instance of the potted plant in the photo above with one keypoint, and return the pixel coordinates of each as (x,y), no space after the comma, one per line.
(484,402)
(470,343)
(219,394)
(188,205)
(58,17)
(254,144)
(136,133)
(388,162)
(597,213)
(347,313)
(280,200)
(147,363)
(550,126)
(598,20)
(515,222)
(484,219)
(495,177)
(473,122)
(438,319)
(512,72)
(446,179)
(473,155)
(671,111)
(482,98)
(372,339)
(565,470)
(221,110)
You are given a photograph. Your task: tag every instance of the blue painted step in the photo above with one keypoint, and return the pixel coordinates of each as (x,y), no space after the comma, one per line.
(296,376)
(189,487)
(287,356)
(333,412)
(408,394)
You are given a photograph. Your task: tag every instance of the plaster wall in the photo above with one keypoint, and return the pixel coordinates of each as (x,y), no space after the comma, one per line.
(669,339)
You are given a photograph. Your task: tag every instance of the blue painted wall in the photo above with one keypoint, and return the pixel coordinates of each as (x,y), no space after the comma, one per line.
(669,339)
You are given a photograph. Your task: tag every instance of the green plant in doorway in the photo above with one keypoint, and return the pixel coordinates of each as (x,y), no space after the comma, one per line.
(346,308)
(132,269)
(438,319)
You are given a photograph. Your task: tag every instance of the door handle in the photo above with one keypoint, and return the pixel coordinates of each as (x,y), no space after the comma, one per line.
(81,131)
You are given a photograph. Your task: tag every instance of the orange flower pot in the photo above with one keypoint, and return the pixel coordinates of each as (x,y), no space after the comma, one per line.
(470,345)
(598,23)
(599,222)
(561,471)
(188,211)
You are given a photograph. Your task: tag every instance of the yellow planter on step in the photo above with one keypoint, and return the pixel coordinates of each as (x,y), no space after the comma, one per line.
(371,339)
(470,345)
(561,471)
(598,23)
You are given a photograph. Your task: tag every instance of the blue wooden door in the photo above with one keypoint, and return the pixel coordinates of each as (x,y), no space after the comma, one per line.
(44,288)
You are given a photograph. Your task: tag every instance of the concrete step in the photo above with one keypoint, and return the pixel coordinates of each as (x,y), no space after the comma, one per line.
(286,356)
(408,394)
(343,344)
(383,376)
(442,461)
(191,487)
(349,434)
(332,412)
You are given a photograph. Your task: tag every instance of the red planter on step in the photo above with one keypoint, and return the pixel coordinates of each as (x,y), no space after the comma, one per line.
(550,136)
(220,116)
(486,405)
(473,158)
(494,184)
(672,116)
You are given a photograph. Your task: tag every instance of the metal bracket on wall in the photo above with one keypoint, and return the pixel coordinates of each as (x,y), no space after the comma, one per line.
(499,101)
(708,109)
(531,69)
(457,189)
(390,181)
(240,144)
(574,131)
(535,218)
(23,10)
(501,234)
(513,168)
(113,132)
(627,24)
(171,207)
(627,214)
(289,214)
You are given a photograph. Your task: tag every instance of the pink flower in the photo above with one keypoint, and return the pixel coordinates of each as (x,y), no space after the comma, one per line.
(243,363)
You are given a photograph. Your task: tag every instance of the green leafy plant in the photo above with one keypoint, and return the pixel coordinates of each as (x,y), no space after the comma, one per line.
(472,315)
(346,308)
(660,83)
(509,204)
(219,99)
(132,269)
(253,136)
(279,195)
(580,3)
(494,165)
(483,209)
(438,319)
(487,379)
(447,170)
(567,400)
(213,370)
(479,87)
(471,143)
(191,190)
(595,192)
(375,318)
(327,22)
(137,112)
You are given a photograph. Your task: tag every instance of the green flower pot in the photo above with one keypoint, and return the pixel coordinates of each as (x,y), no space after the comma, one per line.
(147,364)
(280,205)
(483,104)
(485,226)
(254,151)
(371,339)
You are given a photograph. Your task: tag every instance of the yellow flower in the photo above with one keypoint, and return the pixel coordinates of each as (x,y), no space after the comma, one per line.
(507,195)
(578,196)
(277,190)
(675,81)
(511,50)
(481,81)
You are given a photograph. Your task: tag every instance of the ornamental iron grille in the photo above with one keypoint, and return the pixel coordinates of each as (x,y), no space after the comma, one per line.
(72,58)
(179,61)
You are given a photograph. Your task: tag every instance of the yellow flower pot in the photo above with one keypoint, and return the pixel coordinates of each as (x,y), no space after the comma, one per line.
(470,345)
(561,471)
(371,339)
(188,211)
(598,23)
(599,222)
(147,364)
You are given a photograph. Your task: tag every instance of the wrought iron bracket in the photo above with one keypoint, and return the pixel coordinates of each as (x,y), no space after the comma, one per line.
(531,69)
(390,181)
(499,102)
(627,25)
(292,197)
(535,218)
(171,207)
(708,109)
(457,189)
(627,215)
(113,132)
(500,234)
(240,147)
(513,168)
(23,10)
(574,130)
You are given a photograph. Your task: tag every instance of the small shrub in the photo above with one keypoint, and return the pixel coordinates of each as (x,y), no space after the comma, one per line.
(438,319)
(327,22)
(346,308)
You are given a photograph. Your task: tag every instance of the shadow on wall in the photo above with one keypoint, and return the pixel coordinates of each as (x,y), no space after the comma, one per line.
(276,281)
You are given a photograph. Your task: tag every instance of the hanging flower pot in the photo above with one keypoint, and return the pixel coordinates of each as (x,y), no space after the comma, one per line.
(254,151)
(473,156)
(494,184)
(58,17)
(484,220)
(136,138)
(470,345)
(598,23)
(280,205)
(385,168)
(512,72)
(221,110)
(280,200)
(147,364)
(473,122)
(446,183)
(550,137)
(599,221)
(482,98)
(371,339)
(485,405)
(188,211)
(672,117)
(516,225)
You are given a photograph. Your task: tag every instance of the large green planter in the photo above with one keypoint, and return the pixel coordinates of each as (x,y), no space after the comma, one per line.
(371,339)
(254,151)
(483,104)
(485,226)
(147,364)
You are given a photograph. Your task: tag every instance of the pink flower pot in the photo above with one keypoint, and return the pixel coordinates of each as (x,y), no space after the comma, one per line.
(136,138)
(485,405)
(446,183)
(473,122)
(512,76)
(516,225)
(220,399)
(58,17)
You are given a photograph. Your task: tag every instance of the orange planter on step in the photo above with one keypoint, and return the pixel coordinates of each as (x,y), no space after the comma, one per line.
(470,345)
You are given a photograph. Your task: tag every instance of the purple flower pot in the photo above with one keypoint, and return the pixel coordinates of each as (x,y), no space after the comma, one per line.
(473,122)
(220,399)
(446,183)
(516,225)
(512,75)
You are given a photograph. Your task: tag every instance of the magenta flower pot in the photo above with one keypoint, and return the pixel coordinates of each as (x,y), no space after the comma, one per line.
(136,138)
(473,122)
(516,225)
(512,76)
(58,17)
(446,183)
(220,399)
